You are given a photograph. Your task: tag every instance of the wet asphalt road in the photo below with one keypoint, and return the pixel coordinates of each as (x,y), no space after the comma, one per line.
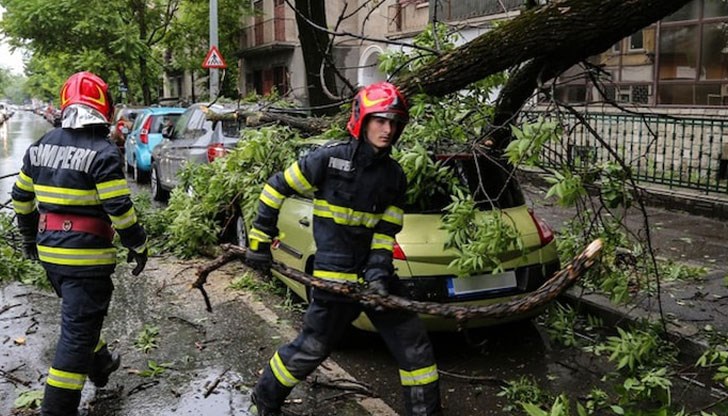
(215,358)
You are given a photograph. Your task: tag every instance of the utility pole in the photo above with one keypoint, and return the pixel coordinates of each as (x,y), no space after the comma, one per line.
(214,74)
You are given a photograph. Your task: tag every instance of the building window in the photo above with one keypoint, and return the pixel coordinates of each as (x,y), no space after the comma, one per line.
(636,41)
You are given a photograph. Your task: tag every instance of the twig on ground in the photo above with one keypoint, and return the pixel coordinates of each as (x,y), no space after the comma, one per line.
(213,385)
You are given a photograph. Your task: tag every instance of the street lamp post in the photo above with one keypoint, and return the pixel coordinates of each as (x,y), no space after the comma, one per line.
(214,74)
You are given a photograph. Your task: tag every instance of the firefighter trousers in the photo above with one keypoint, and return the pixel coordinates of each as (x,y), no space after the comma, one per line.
(84,303)
(325,323)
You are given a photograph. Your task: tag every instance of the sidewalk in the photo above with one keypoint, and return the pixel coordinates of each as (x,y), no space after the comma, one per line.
(681,234)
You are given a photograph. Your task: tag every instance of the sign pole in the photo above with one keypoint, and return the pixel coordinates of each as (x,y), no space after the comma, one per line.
(214,74)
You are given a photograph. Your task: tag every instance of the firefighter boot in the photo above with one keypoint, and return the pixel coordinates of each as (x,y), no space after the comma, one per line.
(260,410)
(60,402)
(104,363)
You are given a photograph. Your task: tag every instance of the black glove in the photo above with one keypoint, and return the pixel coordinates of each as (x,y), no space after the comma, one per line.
(377,281)
(259,259)
(139,258)
(30,250)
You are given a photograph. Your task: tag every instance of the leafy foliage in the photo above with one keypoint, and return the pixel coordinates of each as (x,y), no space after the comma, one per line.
(13,266)
(147,338)
(29,399)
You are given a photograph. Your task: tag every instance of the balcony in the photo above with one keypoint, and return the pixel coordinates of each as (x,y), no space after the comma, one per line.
(272,34)
(458,10)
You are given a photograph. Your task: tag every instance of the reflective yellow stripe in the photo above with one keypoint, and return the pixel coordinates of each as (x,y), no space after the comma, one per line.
(24,182)
(271,197)
(281,372)
(419,377)
(23,207)
(393,214)
(336,276)
(296,180)
(141,247)
(343,215)
(77,256)
(100,345)
(112,189)
(65,380)
(382,241)
(124,220)
(66,196)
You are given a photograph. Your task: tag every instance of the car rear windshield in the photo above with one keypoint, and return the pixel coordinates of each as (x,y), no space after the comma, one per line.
(490,180)
(161,120)
(231,128)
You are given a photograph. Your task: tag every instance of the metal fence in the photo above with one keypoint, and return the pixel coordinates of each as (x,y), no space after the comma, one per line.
(680,152)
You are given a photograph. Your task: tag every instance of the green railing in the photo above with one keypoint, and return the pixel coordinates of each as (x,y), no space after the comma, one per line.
(678,152)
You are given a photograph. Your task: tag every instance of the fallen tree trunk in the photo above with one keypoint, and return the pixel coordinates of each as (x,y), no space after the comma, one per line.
(559,282)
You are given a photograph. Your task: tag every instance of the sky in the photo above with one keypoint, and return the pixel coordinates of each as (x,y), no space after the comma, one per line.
(12,61)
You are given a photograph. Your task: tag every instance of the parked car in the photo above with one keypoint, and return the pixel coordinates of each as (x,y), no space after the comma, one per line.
(420,259)
(121,123)
(145,135)
(193,139)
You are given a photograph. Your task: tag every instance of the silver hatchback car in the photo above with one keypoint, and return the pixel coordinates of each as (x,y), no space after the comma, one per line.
(192,139)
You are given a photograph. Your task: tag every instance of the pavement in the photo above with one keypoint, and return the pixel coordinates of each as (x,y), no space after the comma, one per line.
(686,227)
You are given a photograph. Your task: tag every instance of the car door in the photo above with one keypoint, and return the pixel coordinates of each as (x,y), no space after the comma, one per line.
(181,143)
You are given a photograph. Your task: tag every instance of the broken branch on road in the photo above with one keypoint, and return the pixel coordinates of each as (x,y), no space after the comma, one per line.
(559,282)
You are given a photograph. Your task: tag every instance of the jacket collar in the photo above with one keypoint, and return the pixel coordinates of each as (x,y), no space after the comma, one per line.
(364,153)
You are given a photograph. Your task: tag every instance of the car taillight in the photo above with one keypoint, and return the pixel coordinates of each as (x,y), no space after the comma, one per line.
(215,151)
(545,232)
(144,133)
(398,253)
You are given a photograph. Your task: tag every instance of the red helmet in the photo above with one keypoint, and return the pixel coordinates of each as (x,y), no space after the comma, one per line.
(90,90)
(381,99)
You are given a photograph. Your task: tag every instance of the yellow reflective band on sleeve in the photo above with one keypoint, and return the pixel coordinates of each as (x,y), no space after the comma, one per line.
(394,214)
(142,247)
(271,197)
(336,276)
(344,216)
(296,180)
(419,377)
(112,189)
(382,241)
(24,182)
(65,379)
(23,207)
(281,372)
(77,256)
(124,220)
(66,196)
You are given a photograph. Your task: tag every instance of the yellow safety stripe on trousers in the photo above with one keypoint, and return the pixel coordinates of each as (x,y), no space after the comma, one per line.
(66,196)
(281,372)
(77,256)
(296,180)
(394,214)
(124,220)
(65,379)
(24,182)
(271,197)
(344,215)
(336,276)
(23,207)
(419,377)
(112,189)
(99,345)
(382,241)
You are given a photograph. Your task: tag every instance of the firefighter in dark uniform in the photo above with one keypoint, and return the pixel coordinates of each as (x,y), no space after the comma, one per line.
(359,193)
(70,198)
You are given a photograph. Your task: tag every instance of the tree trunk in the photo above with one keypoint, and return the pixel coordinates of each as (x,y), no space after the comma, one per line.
(565,31)
(315,49)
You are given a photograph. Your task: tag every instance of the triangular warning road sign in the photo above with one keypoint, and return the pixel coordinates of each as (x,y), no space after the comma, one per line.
(214,59)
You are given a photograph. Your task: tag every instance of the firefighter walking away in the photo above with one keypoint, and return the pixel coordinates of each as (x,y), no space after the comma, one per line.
(70,198)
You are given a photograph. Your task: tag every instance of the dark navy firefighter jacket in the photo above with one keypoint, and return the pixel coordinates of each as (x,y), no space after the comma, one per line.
(76,172)
(358,207)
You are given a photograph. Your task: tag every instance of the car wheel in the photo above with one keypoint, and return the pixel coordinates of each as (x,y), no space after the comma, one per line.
(235,231)
(158,193)
(139,175)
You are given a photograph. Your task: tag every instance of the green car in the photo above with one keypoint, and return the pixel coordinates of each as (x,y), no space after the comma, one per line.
(421,261)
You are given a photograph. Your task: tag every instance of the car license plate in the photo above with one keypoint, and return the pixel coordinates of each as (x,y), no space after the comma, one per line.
(470,285)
